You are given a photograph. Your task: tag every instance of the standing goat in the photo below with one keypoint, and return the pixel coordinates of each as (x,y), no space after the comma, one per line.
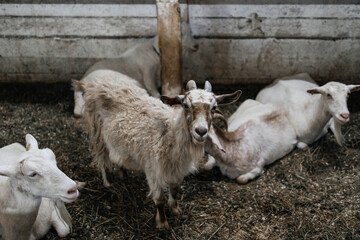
(140,62)
(27,175)
(129,129)
(310,107)
(258,134)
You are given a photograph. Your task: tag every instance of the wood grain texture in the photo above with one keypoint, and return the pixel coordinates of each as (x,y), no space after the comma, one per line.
(169,30)
(239,42)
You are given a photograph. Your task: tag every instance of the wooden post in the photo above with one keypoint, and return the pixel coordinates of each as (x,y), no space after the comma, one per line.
(169,30)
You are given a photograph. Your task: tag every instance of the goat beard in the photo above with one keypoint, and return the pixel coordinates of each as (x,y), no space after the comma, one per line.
(337,132)
(196,152)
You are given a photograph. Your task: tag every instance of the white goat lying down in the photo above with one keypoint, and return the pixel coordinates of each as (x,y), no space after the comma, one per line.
(26,176)
(140,62)
(310,107)
(129,129)
(258,134)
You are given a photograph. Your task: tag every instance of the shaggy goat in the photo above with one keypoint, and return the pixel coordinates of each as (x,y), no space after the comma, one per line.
(27,175)
(258,135)
(140,62)
(310,107)
(132,130)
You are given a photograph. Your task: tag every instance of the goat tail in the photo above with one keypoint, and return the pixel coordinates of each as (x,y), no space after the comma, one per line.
(94,120)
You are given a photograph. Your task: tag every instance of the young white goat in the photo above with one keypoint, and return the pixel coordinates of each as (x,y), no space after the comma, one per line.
(129,129)
(140,62)
(27,175)
(258,134)
(310,107)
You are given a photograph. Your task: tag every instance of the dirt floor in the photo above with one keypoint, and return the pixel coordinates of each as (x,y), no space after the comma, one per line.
(309,194)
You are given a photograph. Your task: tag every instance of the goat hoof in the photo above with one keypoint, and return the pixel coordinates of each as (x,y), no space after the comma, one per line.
(242,180)
(302,145)
(163,225)
(176,211)
(106,184)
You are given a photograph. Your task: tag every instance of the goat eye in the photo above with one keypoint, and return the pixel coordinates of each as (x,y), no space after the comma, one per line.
(329,96)
(186,106)
(34,174)
(213,108)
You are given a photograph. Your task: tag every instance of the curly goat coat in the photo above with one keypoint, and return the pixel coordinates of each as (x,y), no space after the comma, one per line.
(132,130)
(259,134)
(140,62)
(26,176)
(310,108)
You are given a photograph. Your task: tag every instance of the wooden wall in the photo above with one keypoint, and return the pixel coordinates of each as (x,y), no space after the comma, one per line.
(240,41)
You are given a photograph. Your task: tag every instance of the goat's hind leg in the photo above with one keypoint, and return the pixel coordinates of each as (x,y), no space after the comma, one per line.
(173,191)
(102,159)
(257,171)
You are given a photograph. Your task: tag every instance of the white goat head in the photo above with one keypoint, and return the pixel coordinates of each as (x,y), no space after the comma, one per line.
(200,106)
(335,95)
(37,173)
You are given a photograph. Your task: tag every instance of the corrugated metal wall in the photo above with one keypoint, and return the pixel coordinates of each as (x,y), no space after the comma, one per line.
(240,41)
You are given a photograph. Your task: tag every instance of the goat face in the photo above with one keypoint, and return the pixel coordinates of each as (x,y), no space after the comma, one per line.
(37,173)
(199,107)
(335,95)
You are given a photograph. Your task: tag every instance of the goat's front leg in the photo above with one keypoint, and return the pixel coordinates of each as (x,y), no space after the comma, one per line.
(174,189)
(161,221)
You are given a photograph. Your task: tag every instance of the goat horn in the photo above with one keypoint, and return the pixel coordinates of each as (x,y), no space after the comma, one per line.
(191,85)
(207,86)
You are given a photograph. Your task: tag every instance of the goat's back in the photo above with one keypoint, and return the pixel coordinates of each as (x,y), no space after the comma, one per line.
(266,131)
(124,118)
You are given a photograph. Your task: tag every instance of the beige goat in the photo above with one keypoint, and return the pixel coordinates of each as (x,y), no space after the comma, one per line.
(130,129)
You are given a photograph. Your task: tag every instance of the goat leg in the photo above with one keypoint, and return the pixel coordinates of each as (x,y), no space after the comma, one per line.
(174,189)
(161,221)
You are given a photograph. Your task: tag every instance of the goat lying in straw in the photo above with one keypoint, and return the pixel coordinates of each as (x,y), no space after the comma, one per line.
(258,135)
(311,109)
(26,177)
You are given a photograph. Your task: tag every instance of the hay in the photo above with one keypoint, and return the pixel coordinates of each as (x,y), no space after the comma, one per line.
(309,194)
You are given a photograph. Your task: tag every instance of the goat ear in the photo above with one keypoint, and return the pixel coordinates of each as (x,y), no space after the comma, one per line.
(354,88)
(191,85)
(77,85)
(228,98)
(207,86)
(31,143)
(8,170)
(215,140)
(156,45)
(315,91)
(172,100)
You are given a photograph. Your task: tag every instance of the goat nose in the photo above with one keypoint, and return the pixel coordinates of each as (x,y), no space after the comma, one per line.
(201,131)
(72,191)
(345,115)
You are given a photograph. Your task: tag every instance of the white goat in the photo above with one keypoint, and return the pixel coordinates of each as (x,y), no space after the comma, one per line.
(310,107)
(140,62)
(129,129)
(27,175)
(258,134)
